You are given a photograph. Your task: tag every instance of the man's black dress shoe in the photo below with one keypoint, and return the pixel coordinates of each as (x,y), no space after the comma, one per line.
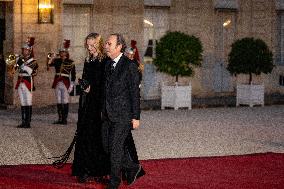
(102,180)
(83,178)
(140,174)
(109,186)
(131,175)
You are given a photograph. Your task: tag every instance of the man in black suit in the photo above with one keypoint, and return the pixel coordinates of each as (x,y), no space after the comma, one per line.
(121,110)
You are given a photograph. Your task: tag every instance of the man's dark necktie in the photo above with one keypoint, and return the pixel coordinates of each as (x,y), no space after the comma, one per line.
(112,67)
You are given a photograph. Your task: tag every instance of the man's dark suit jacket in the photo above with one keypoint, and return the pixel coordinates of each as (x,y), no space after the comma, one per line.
(121,92)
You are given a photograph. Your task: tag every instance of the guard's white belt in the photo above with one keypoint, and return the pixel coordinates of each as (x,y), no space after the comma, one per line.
(24,74)
(62,74)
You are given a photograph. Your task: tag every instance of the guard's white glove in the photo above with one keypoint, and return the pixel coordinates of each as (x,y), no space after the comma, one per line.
(22,67)
(71,87)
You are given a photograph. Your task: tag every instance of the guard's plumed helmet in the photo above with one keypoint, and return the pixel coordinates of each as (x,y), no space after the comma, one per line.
(129,50)
(29,43)
(26,46)
(66,45)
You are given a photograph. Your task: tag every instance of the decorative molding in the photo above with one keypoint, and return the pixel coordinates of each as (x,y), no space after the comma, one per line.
(157,3)
(81,2)
(226,4)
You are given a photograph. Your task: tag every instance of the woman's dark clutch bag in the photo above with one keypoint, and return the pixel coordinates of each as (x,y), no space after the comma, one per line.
(84,84)
(80,87)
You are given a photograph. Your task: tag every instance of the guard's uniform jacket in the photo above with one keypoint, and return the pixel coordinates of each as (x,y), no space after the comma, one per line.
(63,71)
(27,70)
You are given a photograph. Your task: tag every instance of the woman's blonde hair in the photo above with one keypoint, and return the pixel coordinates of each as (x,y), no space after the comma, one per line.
(99,45)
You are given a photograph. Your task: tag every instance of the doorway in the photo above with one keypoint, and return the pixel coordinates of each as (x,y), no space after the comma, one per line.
(225,30)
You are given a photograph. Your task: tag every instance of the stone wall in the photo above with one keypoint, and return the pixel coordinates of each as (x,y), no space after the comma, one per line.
(120,16)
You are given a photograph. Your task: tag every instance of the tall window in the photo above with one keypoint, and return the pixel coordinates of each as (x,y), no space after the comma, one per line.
(279,56)
(156,24)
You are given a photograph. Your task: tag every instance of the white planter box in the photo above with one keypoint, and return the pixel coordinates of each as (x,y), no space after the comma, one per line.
(250,95)
(176,97)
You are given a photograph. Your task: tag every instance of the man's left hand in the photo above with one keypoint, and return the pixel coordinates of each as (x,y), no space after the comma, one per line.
(70,88)
(87,90)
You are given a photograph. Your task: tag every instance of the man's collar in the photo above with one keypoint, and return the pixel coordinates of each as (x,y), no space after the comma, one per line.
(117,58)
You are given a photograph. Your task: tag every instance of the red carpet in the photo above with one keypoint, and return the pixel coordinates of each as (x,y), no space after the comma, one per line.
(257,171)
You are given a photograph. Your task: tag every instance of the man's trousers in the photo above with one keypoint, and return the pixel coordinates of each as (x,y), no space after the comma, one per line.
(114,136)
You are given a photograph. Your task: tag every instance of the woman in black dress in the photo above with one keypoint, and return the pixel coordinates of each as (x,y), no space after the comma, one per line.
(90,159)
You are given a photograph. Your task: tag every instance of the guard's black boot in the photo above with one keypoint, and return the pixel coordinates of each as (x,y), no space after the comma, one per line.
(28,116)
(65,114)
(23,111)
(60,112)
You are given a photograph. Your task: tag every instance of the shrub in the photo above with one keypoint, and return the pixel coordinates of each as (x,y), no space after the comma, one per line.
(177,53)
(250,56)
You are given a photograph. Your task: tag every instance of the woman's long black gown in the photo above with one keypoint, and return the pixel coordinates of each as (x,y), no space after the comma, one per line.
(89,157)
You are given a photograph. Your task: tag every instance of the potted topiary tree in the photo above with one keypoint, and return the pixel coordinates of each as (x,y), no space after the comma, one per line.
(177,54)
(250,56)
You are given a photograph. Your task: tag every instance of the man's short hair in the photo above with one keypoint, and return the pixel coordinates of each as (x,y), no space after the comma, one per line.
(120,41)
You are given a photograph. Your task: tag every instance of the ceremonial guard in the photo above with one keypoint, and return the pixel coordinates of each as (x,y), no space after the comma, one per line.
(27,68)
(63,81)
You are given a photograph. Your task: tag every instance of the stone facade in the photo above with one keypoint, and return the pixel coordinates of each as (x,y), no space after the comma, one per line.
(202,18)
